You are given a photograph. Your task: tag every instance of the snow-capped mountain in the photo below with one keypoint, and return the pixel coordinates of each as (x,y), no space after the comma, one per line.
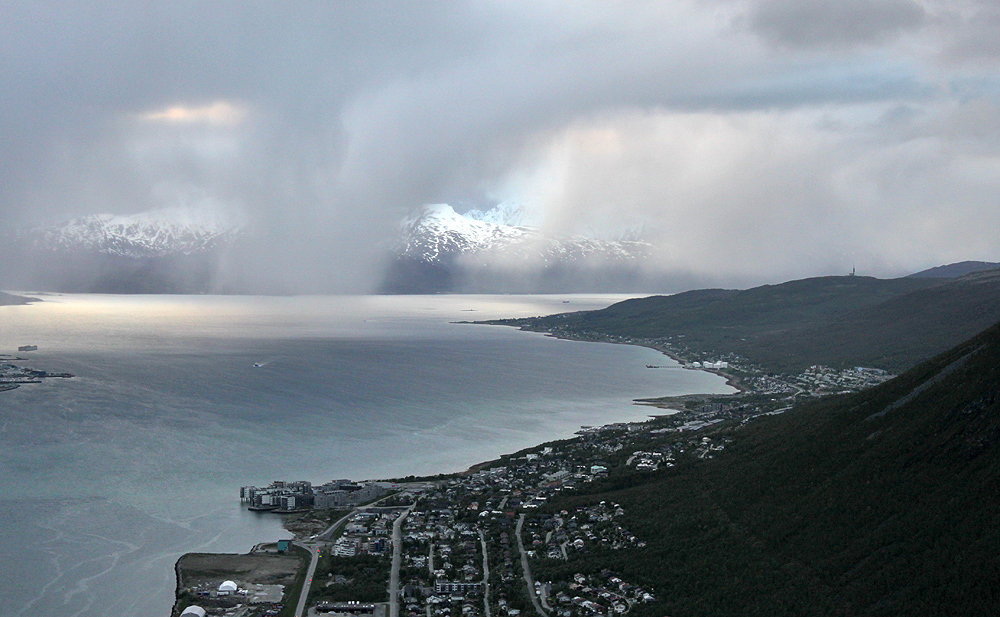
(183,250)
(442,250)
(506,213)
(175,250)
(439,233)
(158,233)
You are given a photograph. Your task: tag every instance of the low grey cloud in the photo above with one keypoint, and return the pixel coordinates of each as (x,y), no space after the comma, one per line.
(846,23)
(968,32)
(322,123)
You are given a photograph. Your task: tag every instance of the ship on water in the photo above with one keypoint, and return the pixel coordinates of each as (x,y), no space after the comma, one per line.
(28,348)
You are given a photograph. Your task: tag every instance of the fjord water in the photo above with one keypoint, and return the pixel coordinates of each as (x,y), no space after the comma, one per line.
(110,476)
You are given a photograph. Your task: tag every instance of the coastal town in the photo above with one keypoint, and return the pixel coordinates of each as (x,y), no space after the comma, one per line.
(515,537)
(499,540)
(462,545)
(758,391)
(747,377)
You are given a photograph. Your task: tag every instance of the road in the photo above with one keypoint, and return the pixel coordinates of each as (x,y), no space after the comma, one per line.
(329,530)
(241,612)
(314,544)
(486,575)
(313,549)
(526,569)
(397,558)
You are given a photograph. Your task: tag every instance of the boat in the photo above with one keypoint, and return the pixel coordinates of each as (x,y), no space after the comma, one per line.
(28,348)
(258,364)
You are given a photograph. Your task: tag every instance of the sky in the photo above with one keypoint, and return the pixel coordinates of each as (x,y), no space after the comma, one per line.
(751,140)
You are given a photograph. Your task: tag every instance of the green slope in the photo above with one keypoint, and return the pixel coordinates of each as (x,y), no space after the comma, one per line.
(894,334)
(760,310)
(885,502)
(836,321)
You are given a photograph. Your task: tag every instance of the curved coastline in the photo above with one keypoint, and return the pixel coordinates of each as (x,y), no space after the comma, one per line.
(732,380)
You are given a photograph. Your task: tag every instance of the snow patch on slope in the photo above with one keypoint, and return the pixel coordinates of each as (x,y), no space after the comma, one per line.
(437,232)
(146,234)
(507,213)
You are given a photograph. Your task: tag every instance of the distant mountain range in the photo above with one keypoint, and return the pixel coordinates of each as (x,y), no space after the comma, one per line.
(442,250)
(174,231)
(164,251)
(437,250)
(181,250)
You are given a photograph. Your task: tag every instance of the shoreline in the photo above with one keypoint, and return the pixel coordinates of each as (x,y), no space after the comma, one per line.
(733,381)
(686,423)
(591,442)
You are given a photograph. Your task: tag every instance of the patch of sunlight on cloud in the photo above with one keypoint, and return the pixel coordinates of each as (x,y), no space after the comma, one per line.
(220,112)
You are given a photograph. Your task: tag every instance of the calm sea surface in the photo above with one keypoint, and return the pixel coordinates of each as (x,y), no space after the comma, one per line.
(108,477)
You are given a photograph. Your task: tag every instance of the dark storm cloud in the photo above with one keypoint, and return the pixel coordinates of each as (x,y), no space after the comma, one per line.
(79,78)
(332,119)
(818,23)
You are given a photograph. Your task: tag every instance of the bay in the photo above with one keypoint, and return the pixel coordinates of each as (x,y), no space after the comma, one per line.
(179,400)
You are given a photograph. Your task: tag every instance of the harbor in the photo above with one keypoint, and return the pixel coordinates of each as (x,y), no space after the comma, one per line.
(15,375)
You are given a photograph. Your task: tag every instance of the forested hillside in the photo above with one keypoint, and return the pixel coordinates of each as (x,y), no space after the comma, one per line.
(835,321)
(878,503)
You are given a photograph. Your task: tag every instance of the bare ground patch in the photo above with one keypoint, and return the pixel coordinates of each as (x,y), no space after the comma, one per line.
(200,568)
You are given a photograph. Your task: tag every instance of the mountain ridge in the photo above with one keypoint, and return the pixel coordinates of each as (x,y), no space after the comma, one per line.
(148,234)
(172,250)
(834,321)
(955,270)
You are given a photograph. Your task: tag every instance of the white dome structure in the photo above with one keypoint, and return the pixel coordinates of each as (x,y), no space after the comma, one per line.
(193,611)
(227,587)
